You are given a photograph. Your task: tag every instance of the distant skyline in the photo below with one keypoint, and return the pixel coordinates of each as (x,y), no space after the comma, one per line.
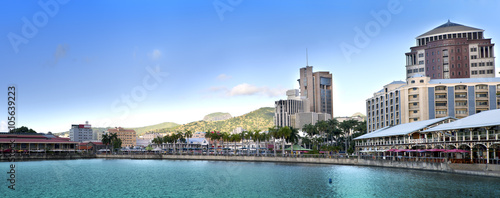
(134,63)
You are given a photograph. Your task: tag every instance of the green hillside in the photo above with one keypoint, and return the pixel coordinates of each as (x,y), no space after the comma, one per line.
(259,119)
(155,128)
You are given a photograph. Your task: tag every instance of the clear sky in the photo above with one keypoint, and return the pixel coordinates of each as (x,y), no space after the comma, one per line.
(137,63)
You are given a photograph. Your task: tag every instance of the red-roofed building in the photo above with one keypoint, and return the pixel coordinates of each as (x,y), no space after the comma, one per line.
(91,146)
(36,142)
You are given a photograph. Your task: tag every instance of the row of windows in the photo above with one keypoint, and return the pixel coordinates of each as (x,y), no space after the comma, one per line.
(490,71)
(481,64)
(415,70)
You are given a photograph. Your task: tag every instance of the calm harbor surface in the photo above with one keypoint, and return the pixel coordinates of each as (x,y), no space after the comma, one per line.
(182,178)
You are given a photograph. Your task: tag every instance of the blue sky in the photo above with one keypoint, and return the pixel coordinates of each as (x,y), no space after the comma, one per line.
(132,63)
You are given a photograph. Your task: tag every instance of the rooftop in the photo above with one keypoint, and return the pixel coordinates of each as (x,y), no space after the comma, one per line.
(463,80)
(402,129)
(482,119)
(449,27)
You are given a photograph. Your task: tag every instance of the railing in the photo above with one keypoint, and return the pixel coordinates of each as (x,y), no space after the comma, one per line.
(405,158)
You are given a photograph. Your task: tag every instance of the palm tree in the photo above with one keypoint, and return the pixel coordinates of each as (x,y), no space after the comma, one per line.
(347,126)
(273,132)
(310,129)
(225,139)
(284,132)
(322,127)
(106,140)
(265,137)
(158,141)
(188,134)
(333,130)
(256,138)
(293,137)
(168,139)
(180,137)
(248,136)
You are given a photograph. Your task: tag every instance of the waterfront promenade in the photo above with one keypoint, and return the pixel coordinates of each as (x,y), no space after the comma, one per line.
(441,164)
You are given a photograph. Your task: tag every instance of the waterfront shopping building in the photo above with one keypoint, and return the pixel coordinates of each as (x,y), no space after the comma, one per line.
(452,51)
(473,139)
(36,142)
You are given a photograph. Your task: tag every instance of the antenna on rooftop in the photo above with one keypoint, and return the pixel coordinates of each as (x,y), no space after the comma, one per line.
(307,59)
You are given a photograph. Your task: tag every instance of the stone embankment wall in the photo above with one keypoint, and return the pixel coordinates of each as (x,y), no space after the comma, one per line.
(45,157)
(471,169)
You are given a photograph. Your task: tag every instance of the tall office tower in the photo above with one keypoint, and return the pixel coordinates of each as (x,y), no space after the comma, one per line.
(452,50)
(317,89)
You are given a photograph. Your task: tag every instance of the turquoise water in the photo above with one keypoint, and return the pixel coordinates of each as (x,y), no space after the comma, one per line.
(178,178)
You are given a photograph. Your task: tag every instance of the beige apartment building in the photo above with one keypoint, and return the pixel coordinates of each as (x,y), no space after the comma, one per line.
(128,136)
(422,98)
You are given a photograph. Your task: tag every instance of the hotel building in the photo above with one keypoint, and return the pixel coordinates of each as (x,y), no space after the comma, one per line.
(81,132)
(128,136)
(452,51)
(422,98)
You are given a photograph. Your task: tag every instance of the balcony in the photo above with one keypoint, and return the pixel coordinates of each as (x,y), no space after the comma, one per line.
(414,107)
(441,98)
(413,100)
(440,90)
(441,107)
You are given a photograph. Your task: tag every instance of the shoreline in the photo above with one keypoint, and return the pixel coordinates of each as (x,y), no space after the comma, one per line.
(489,170)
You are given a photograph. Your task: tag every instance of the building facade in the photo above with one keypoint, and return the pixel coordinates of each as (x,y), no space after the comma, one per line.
(128,136)
(316,87)
(284,109)
(81,132)
(452,51)
(476,136)
(36,142)
(423,98)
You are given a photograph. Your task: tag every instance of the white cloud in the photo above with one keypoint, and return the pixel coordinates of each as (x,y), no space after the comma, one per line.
(223,77)
(156,54)
(244,89)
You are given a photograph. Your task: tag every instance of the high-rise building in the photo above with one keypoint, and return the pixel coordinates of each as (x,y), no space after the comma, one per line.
(312,103)
(80,132)
(128,136)
(284,109)
(316,87)
(451,51)
(422,98)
